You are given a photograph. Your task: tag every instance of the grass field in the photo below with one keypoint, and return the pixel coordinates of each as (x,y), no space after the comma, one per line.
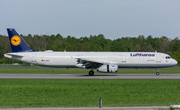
(48,70)
(86,93)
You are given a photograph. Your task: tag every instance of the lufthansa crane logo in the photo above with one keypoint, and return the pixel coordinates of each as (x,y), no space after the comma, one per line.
(15,40)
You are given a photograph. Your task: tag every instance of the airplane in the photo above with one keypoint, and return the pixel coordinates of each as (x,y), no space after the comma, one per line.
(107,62)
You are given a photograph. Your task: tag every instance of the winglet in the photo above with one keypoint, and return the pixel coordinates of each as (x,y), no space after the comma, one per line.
(17,42)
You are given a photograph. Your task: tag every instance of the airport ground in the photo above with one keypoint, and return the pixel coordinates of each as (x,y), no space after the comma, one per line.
(14,69)
(39,92)
(96,108)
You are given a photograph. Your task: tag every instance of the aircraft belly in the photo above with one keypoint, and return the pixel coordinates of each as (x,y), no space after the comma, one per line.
(142,65)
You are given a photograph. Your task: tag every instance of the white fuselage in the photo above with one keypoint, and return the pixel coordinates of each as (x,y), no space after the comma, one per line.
(69,59)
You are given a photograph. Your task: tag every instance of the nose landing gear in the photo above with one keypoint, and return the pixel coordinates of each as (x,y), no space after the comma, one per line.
(157,72)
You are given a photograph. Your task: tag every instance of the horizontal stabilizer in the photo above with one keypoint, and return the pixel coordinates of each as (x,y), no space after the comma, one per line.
(11,54)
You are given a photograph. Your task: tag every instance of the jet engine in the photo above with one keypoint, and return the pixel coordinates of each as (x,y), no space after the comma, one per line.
(108,68)
(80,66)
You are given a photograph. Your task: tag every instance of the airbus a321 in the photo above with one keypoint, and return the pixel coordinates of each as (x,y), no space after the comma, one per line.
(107,62)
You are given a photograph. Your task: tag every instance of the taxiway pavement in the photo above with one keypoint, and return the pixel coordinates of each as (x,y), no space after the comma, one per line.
(86,76)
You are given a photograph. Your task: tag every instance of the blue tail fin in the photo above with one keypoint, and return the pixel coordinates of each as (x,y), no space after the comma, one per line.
(17,42)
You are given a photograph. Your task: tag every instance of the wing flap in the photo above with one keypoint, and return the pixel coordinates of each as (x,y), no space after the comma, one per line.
(89,60)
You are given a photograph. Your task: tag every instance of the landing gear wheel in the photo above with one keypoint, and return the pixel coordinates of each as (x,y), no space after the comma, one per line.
(91,73)
(157,73)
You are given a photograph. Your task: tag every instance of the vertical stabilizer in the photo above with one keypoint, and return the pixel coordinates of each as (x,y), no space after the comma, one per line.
(17,42)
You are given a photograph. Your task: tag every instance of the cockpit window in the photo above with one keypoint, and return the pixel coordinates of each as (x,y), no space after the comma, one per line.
(168,57)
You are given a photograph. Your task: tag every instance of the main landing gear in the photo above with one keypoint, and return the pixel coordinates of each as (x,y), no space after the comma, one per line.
(157,72)
(91,73)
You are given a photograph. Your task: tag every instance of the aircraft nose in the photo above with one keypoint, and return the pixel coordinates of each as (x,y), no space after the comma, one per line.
(174,62)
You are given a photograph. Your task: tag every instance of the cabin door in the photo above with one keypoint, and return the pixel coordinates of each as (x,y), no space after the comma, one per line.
(124,59)
(158,58)
(34,55)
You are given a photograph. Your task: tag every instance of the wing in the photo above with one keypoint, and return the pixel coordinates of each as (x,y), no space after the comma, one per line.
(91,63)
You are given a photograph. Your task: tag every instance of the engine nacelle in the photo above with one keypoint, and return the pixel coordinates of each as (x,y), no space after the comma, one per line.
(80,66)
(108,68)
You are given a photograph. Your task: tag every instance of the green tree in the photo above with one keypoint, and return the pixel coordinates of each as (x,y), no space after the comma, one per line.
(175,44)
(176,55)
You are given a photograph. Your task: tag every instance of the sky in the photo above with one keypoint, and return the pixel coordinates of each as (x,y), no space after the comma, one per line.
(79,18)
